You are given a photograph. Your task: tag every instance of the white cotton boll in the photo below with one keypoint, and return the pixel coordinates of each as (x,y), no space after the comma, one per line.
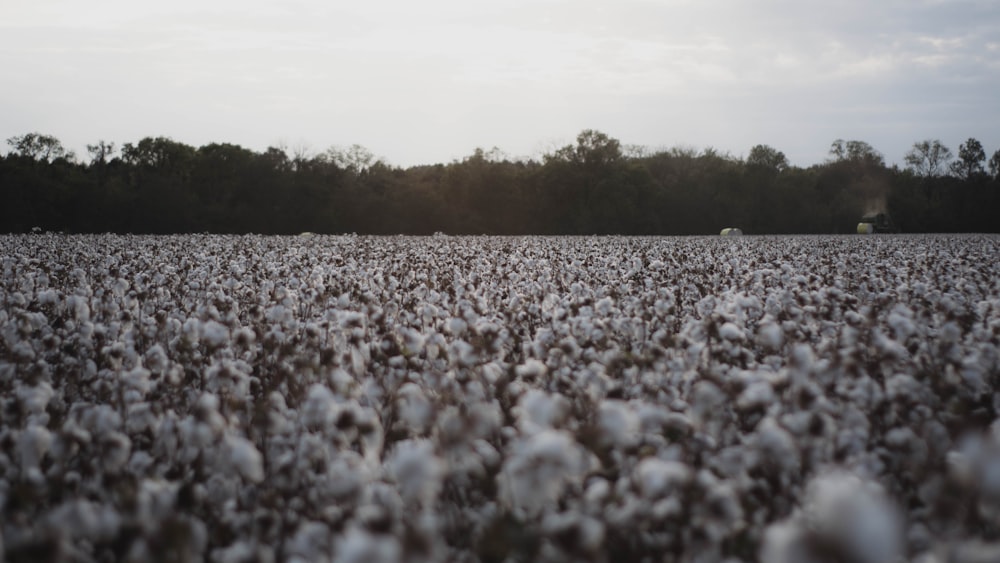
(411,341)
(415,410)
(775,446)
(729,331)
(155,501)
(137,382)
(80,308)
(597,491)
(604,306)
(191,331)
(320,409)
(617,424)
(360,546)
(456,326)
(215,334)
(770,336)
(461,353)
(34,399)
(531,369)
(84,519)
(901,322)
(116,448)
(787,542)
(244,458)
(156,359)
(33,443)
(853,516)
(538,409)
(140,417)
(658,477)
(241,552)
(757,396)
(310,542)
(416,470)
(539,468)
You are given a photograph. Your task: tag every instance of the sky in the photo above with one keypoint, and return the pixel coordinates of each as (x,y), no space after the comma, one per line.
(430,81)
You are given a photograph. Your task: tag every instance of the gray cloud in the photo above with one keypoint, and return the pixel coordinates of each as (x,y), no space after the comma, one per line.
(429,81)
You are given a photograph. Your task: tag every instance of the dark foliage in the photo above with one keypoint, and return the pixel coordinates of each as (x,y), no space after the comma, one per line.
(592,187)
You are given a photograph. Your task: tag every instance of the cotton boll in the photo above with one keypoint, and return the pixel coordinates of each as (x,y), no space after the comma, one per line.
(360,546)
(320,409)
(456,326)
(775,445)
(757,396)
(531,370)
(116,448)
(417,471)
(617,424)
(34,442)
(214,334)
(788,542)
(461,353)
(538,469)
(415,410)
(853,517)
(310,542)
(770,336)
(538,410)
(191,332)
(83,519)
(243,458)
(729,331)
(901,322)
(657,477)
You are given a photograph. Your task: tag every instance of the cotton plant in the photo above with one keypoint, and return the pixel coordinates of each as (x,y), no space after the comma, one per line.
(348,398)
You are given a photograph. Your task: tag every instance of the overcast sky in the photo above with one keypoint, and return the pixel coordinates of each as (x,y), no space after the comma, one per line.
(420,82)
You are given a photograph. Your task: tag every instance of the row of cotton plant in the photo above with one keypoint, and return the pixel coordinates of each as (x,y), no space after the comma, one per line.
(788,399)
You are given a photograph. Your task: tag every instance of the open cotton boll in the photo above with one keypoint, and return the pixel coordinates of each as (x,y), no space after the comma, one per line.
(415,410)
(538,469)
(854,517)
(531,369)
(33,443)
(537,410)
(759,395)
(360,546)
(658,477)
(244,458)
(770,336)
(320,409)
(417,471)
(788,542)
(84,519)
(618,423)
(729,331)
(214,334)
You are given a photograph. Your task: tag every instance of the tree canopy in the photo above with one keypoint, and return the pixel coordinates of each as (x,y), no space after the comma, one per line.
(593,186)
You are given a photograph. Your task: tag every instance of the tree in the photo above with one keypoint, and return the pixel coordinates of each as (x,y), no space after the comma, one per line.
(763,156)
(856,151)
(970,160)
(43,148)
(355,159)
(101,152)
(995,165)
(928,158)
(592,148)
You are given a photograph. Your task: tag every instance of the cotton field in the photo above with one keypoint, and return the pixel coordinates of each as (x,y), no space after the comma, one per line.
(349,399)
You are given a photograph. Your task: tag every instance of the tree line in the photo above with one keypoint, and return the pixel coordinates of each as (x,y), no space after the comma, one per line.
(593,186)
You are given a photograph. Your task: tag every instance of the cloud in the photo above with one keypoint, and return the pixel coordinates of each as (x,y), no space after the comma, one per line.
(426,80)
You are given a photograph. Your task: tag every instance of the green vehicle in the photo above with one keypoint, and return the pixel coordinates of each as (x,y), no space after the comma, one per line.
(876,223)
